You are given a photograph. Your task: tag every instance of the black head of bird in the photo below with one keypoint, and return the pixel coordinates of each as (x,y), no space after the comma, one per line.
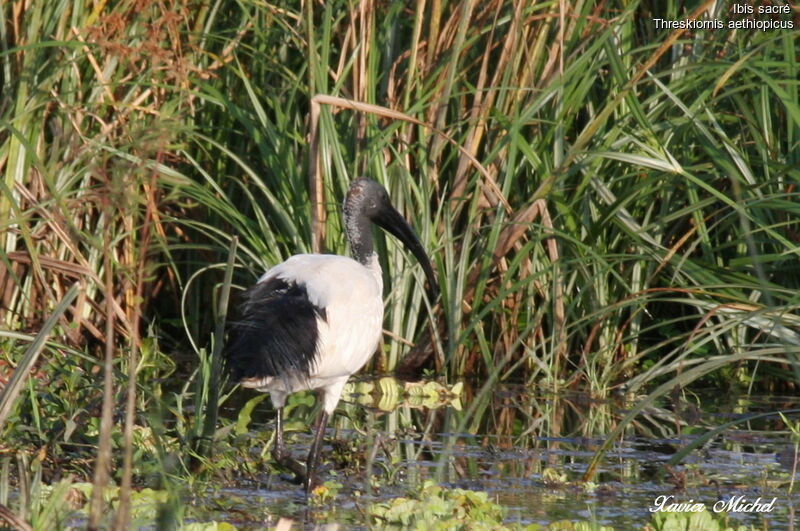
(315,319)
(368,201)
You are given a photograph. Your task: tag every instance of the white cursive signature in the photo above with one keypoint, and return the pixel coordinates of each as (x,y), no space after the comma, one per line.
(666,504)
(736,504)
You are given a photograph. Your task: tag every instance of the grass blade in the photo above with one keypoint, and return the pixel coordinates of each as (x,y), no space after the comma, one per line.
(14,386)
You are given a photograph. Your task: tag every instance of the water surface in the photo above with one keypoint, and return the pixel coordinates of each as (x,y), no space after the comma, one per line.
(530,453)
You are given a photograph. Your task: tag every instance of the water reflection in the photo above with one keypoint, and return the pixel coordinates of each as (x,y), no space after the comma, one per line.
(529,451)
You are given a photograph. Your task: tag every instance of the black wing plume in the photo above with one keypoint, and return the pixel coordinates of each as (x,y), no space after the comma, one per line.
(276,333)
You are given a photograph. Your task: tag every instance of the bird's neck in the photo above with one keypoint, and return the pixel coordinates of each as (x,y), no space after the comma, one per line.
(362,249)
(374,267)
(359,233)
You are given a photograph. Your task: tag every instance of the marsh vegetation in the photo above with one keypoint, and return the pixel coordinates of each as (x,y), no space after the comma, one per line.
(611,208)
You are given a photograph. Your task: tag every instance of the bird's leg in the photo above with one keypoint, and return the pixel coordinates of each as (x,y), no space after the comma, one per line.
(283,457)
(279,451)
(313,454)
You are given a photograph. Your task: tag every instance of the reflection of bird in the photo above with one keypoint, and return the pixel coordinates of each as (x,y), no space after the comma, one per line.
(313,320)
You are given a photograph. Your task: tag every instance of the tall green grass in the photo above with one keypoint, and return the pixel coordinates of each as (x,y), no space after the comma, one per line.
(633,194)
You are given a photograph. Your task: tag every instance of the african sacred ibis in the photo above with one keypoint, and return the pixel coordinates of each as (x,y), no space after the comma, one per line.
(315,319)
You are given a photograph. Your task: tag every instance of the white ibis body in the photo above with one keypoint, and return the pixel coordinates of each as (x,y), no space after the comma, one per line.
(315,319)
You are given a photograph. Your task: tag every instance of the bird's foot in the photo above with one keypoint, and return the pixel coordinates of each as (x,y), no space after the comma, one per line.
(294,466)
(311,482)
(293,478)
(300,472)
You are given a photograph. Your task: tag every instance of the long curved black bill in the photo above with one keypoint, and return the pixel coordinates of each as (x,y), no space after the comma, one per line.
(393,222)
